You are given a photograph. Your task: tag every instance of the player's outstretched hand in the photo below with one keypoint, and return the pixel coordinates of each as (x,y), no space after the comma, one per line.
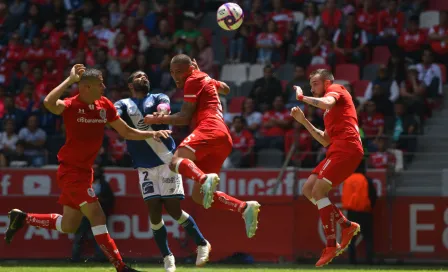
(161,134)
(299,91)
(297,113)
(76,72)
(195,64)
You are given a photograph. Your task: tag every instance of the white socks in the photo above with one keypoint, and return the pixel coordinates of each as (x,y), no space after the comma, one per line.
(157,226)
(322,203)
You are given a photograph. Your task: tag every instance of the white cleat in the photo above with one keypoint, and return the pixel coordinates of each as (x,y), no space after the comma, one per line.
(250,216)
(208,188)
(169,263)
(203,254)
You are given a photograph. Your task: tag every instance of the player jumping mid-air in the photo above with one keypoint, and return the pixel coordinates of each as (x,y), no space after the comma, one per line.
(160,186)
(201,155)
(85,116)
(344,154)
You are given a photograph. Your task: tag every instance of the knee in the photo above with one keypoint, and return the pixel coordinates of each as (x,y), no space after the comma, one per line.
(307,189)
(173,164)
(69,227)
(317,193)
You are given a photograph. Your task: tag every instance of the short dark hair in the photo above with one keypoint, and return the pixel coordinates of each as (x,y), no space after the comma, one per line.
(131,77)
(414,19)
(91,73)
(241,118)
(323,73)
(182,59)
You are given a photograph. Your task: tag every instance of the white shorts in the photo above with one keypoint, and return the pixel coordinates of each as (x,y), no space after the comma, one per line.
(160,182)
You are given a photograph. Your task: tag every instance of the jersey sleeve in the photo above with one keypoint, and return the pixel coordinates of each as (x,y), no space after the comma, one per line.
(334,91)
(119,107)
(191,90)
(111,111)
(162,99)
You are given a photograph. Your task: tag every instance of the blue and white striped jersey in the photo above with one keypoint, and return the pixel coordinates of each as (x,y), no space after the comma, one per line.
(148,153)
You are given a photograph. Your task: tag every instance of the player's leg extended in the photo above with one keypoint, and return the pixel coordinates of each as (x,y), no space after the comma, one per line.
(173,207)
(307,188)
(155,206)
(182,163)
(66,223)
(97,219)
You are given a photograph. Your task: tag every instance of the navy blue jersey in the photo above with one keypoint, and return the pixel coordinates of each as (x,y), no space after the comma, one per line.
(147,153)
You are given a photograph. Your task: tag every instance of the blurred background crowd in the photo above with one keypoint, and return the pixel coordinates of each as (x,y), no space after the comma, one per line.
(390,54)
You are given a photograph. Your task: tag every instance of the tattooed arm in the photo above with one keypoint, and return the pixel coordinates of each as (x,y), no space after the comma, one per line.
(325,103)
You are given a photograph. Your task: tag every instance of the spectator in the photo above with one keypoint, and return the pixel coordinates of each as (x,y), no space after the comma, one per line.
(303,47)
(331,16)
(275,124)
(30,27)
(438,35)
(8,138)
(14,49)
(2,101)
(27,100)
(36,52)
(161,43)
(238,50)
(312,18)
(382,101)
(34,138)
(115,16)
(253,118)
(265,89)
(302,156)
(367,20)
(189,33)
(17,158)
(20,78)
(283,18)
(173,14)
(387,84)
(117,151)
(412,40)
(121,53)
(136,37)
(243,144)
(205,57)
(301,80)
(48,121)
(390,24)
(382,158)
(350,41)
(268,44)
(372,122)
(323,48)
(412,93)
(430,74)
(11,112)
(397,68)
(71,30)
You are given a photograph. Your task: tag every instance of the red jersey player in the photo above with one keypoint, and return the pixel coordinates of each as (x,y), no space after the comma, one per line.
(85,116)
(201,155)
(344,154)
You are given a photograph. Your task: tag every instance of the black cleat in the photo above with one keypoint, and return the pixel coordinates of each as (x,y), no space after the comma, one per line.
(16,222)
(127,269)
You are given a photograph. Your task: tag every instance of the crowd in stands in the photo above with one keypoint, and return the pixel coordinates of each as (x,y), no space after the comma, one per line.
(379,50)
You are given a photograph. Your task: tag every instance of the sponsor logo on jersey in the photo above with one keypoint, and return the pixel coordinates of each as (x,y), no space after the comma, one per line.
(91,106)
(81,111)
(91,192)
(103,114)
(91,121)
(171,180)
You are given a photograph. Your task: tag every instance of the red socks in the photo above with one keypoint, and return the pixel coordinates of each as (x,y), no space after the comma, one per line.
(108,246)
(187,168)
(340,218)
(223,201)
(46,221)
(327,215)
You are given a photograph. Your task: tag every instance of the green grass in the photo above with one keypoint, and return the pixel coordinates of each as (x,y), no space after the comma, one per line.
(89,267)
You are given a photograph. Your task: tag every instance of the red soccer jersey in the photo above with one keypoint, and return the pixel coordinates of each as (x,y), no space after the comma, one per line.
(411,42)
(275,115)
(440,47)
(84,125)
(367,21)
(203,90)
(381,160)
(372,124)
(341,121)
(391,24)
(242,141)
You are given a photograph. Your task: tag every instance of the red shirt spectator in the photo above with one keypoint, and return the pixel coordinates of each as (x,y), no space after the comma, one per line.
(243,140)
(331,16)
(303,140)
(438,35)
(27,100)
(304,42)
(390,21)
(121,52)
(413,38)
(372,121)
(37,52)
(14,51)
(381,160)
(367,17)
(323,46)
(131,31)
(284,18)
(276,121)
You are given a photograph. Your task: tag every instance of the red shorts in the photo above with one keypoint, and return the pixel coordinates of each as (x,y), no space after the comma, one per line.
(337,167)
(76,186)
(211,148)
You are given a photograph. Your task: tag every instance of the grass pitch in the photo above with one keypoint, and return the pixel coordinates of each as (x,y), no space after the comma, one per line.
(88,267)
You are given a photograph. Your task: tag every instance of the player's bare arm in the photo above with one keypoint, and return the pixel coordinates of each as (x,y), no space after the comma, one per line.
(325,103)
(52,101)
(129,133)
(181,118)
(319,135)
(223,89)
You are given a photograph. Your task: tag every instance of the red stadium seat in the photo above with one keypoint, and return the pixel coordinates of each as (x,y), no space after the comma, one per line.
(359,87)
(381,55)
(438,5)
(443,68)
(236,104)
(314,67)
(284,83)
(207,33)
(349,72)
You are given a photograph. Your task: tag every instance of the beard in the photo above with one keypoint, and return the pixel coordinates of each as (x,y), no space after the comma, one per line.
(142,86)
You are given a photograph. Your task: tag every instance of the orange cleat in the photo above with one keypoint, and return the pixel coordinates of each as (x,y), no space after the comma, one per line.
(347,236)
(328,254)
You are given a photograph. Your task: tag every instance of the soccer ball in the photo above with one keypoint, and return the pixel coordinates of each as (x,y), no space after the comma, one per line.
(230,16)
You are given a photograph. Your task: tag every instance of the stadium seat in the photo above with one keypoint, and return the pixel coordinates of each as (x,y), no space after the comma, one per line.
(443,69)
(359,87)
(255,71)
(314,67)
(349,72)
(234,72)
(270,158)
(429,18)
(438,5)
(381,55)
(299,19)
(245,88)
(344,83)
(370,71)
(236,104)
(285,71)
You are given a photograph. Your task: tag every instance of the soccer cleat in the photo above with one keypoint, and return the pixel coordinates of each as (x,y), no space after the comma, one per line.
(250,216)
(203,254)
(347,236)
(208,188)
(127,269)
(328,254)
(169,263)
(16,222)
